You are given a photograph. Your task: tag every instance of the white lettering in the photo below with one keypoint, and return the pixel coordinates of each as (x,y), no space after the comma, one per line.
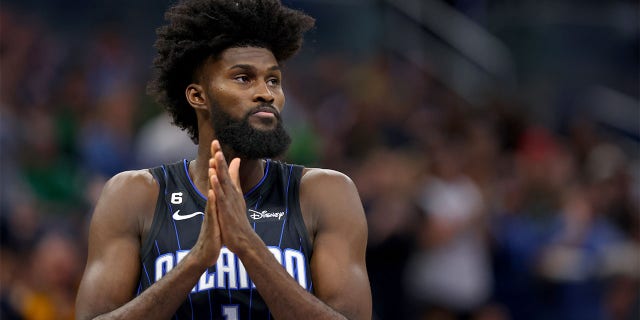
(226,265)
(164,264)
(230,272)
(243,277)
(257,215)
(206,281)
(180,254)
(277,253)
(294,263)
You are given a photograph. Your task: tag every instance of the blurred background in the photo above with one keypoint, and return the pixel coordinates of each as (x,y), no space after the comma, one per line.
(495,145)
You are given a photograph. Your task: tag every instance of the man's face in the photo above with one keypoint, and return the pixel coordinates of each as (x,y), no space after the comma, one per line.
(244,87)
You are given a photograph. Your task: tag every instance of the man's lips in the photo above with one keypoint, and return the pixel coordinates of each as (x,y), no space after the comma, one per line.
(265,112)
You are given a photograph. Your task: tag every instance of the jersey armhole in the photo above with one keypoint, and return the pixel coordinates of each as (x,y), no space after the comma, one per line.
(147,244)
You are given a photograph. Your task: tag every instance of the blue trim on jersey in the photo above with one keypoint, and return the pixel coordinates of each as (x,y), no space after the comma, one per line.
(266,173)
(191,305)
(186,171)
(250,282)
(309,289)
(166,179)
(210,309)
(250,298)
(212,301)
(146,273)
(286,210)
(256,208)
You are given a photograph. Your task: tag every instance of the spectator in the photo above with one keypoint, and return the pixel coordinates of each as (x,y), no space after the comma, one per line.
(449,276)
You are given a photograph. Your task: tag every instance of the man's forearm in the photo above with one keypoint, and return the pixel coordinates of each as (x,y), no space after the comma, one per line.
(284,296)
(162,299)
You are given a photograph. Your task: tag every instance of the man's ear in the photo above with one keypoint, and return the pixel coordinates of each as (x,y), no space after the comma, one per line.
(196,97)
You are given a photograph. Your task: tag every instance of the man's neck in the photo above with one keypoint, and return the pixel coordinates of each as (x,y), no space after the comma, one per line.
(251,171)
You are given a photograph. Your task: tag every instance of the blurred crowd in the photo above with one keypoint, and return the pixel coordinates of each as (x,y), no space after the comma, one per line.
(474,212)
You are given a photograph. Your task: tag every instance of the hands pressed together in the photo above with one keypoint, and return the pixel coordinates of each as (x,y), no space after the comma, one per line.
(225,221)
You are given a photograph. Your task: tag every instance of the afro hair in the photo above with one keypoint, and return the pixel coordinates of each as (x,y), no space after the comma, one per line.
(199,29)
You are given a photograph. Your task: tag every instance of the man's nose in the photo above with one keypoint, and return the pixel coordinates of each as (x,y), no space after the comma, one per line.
(263,93)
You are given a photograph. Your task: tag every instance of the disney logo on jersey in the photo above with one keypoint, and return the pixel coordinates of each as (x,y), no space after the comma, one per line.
(265,215)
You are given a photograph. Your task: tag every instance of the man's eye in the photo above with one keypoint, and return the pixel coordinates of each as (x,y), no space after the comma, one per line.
(243,79)
(273,81)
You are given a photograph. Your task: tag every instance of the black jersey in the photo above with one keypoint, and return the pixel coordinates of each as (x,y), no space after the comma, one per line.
(225,290)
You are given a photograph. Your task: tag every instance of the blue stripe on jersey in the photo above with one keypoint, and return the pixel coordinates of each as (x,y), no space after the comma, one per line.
(254,229)
(175,227)
(146,273)
(250,299)
(310,280)
(186,171)
(210,309)
(229,283)
(256,208)
(166,187)
(208,293)
(286,201)
(264,176)
(191,304)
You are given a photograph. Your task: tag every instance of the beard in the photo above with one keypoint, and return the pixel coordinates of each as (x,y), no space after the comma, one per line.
(245,140)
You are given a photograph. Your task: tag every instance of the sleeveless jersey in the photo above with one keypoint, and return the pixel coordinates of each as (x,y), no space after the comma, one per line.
(225,291)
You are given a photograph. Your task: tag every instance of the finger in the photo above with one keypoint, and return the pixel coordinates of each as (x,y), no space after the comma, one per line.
(211,207)
(211,202)
(212,173)
(215,146)
(234,172)
(214,183)
(217,155)
(220,196)
(229,183)
(222,170)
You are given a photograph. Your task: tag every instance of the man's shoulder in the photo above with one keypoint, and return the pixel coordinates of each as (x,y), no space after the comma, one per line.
(132,179)
(331,198)
(326,183)
(127,200)
(322,175)
(136,185)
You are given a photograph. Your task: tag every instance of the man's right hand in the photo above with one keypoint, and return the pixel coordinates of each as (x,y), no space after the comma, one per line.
(207,248)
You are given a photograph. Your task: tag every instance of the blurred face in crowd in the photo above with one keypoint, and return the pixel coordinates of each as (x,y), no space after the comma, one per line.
(244,89)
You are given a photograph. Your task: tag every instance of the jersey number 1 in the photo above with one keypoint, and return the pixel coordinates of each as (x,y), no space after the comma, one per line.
(230,312)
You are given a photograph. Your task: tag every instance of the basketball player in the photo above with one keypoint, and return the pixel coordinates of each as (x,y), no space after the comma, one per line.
(230,234)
